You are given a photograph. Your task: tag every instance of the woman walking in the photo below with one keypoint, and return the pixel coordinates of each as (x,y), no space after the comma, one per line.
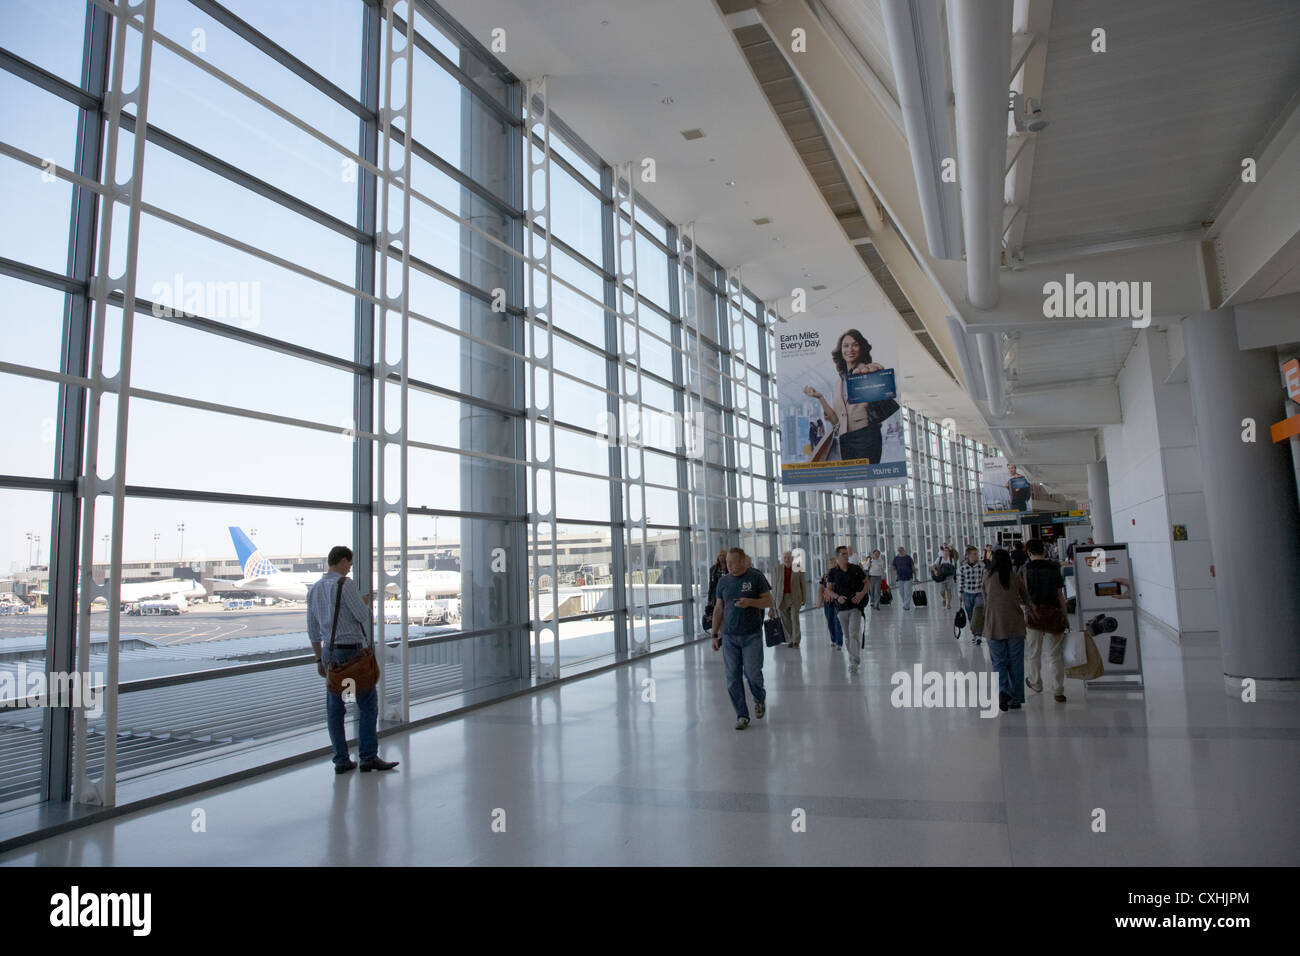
(715,574)
(1004,626)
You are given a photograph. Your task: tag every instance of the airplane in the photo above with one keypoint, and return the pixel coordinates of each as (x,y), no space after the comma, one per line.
(161,590)
(263,578)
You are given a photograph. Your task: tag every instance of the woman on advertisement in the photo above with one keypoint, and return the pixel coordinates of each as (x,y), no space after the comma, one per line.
(858,424)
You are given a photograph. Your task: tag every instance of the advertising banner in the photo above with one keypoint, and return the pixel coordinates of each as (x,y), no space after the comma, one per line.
(1005,490)
(841,421)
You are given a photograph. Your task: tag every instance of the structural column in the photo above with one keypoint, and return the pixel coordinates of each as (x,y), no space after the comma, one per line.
(1250,502)
(1103,530)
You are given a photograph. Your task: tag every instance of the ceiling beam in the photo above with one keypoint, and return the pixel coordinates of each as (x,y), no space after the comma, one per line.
(869,128)
(1083,406)
(1256,239)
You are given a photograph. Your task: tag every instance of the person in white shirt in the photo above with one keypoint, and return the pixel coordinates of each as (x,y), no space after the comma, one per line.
(875,567)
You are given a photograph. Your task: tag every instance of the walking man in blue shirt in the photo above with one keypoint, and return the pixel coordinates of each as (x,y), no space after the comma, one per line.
(743,593)
(336,589)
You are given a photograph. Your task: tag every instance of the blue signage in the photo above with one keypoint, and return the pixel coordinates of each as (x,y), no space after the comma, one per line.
(871,387)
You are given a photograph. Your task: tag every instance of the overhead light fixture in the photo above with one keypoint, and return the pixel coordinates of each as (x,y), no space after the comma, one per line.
(667,101)
(692,134)
(731,182)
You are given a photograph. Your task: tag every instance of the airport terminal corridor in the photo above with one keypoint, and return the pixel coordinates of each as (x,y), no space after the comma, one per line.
(471,367)
(592,773)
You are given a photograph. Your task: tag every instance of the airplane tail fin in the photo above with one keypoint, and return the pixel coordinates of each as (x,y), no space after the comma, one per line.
(251,559)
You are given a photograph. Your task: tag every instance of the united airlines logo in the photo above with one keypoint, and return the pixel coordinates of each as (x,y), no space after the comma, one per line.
(258,566)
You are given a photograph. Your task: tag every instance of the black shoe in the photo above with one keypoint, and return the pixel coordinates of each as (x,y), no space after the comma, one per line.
(1003,700)
(377,764)
(345,767)
(1014,706)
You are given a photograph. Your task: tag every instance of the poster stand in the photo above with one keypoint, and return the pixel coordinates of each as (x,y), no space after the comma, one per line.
(1104,596)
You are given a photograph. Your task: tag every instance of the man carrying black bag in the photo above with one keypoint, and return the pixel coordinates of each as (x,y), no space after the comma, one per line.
(743,593)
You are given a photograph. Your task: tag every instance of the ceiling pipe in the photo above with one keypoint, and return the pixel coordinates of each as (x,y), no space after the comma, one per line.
(994,384)
(914,29)
(980,44)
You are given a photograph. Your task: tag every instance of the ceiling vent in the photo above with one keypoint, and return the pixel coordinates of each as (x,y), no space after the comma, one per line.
(764,221)
(692,134)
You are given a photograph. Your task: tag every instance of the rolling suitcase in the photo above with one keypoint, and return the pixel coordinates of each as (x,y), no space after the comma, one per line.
(919,598)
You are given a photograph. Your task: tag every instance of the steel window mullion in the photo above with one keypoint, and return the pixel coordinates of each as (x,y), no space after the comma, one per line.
(104,791)
(61,637)
(465,80)
(47,81)
(541,348)
(42,277)
(213,164)
(466,182)
(280,55)
(685,544)
(247,336)
(629,335)
(618,556)
(395,175)
(227,497)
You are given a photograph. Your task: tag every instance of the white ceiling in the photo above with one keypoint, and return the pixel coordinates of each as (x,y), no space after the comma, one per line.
(1148,137)
(610,63)
(864,25)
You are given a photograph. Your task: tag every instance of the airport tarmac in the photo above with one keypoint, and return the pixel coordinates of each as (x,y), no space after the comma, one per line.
(194,626)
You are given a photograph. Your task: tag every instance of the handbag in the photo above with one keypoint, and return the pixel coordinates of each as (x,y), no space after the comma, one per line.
(1048,618)
(363,670)
(1076,654)
(773,632)
(958,622)
(878,412)
(1092,668)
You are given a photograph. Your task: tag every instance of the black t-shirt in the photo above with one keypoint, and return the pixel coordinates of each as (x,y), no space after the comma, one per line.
(847,582)
(1044,581)
(731,587)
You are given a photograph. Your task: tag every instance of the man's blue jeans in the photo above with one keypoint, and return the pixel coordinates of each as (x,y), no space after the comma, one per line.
(968,602)
(367,716)
(743,652)
(1008,657)
(833,623)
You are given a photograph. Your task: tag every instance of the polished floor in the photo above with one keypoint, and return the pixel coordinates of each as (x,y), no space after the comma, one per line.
(613,769)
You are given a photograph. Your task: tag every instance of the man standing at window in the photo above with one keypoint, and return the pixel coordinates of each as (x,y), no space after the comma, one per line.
(337,614)
(738,629)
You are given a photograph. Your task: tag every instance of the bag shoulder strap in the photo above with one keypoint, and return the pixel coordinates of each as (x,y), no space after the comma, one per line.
(338,599)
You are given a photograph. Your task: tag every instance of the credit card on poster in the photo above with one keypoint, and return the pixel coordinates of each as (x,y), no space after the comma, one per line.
(871,387)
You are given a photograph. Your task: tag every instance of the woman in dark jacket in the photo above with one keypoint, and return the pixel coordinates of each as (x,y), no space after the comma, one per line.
(715,575)
(1004,626)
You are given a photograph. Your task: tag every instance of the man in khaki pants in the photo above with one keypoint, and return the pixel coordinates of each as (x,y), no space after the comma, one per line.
(788,595)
